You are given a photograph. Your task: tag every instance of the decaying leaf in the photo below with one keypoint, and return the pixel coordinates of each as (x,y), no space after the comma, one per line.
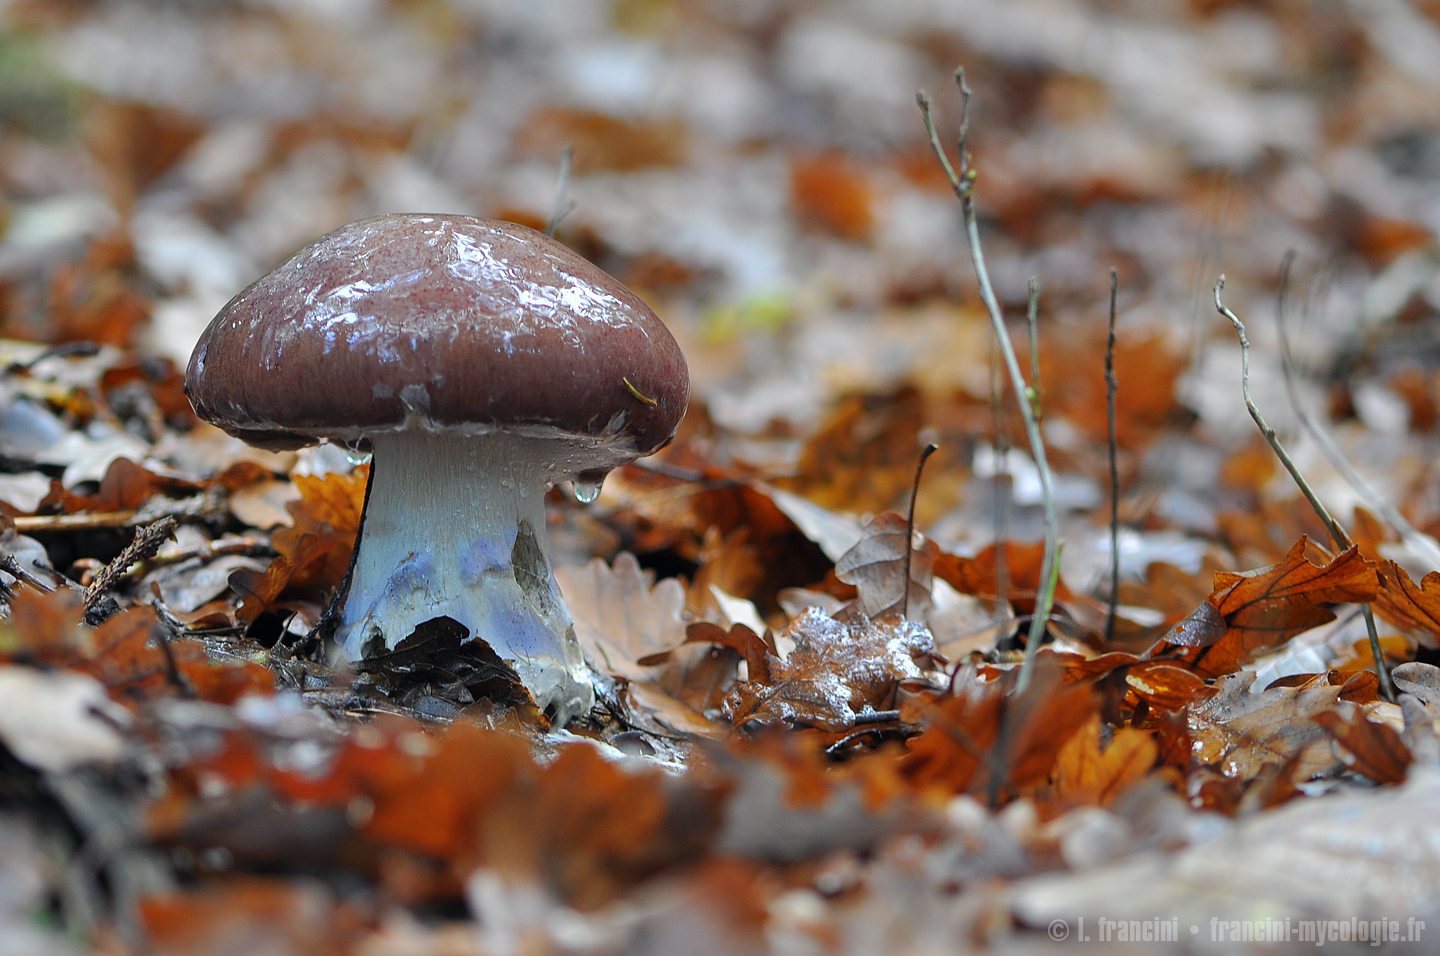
(57,721)
(840,672)
(579,824)
(1166,686)
(830,191)
(125,487)
(1240,733)
(314,551)
(1372,748)
(876,567)
(247,914)
(130,654)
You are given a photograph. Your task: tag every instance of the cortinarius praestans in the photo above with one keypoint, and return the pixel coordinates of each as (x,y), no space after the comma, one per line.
(482,361)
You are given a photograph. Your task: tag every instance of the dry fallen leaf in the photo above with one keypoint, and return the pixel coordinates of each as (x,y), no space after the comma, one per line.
(978,575)
(1087,773)
(1410,607)
(876,566)
(1373,749)
(621,615)
(981,740)
(59,720)
(314,551)
(1254,610)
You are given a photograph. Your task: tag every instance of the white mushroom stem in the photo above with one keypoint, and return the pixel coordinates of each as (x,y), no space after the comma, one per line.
(455,527)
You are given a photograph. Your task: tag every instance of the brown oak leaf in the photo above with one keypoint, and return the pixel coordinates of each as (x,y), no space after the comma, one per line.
(1251,611)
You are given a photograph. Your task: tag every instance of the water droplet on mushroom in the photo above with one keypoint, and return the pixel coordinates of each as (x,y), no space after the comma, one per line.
(587,486)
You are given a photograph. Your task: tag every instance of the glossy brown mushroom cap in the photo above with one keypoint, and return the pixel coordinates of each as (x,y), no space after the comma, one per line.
(443,323)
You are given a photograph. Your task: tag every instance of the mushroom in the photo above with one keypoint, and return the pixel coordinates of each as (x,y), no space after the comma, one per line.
(480,361)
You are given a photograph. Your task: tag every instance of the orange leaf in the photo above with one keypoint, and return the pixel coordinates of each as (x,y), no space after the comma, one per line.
(44,628)
(977,575)
(1264,608)
(1349,579)
(831,192)
(600,141)
(1165,685)
(244,915)
(314,553)
(740,639)
(984,741)
(1408,606)
(1087,774)
(862,458)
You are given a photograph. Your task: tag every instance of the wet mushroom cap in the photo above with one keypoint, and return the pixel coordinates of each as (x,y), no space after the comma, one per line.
(444,323)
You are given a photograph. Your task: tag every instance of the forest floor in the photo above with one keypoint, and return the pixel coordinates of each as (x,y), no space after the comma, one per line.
(812,732)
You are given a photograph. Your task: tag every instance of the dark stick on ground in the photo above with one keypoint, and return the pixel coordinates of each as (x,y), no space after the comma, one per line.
(12,566)
(1110,385)
(930,449)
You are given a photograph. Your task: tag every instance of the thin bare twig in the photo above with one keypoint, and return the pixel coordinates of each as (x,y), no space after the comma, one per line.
(1419,542)
(228,545)
(963,184)
(12,566)
(1000,491)
(930,449)
(1111,384)
(64,349)
(168,626)
(87,521)
(1337,533)
(1032,310)
(206,505)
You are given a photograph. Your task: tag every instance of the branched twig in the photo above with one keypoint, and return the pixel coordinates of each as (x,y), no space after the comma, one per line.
(963,183)
(1419,542)
(1337,533)
(12,566)
(146,542)
(1110,385)
(930,449)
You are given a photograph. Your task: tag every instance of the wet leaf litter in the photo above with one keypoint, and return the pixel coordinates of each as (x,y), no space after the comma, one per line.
(808,732)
